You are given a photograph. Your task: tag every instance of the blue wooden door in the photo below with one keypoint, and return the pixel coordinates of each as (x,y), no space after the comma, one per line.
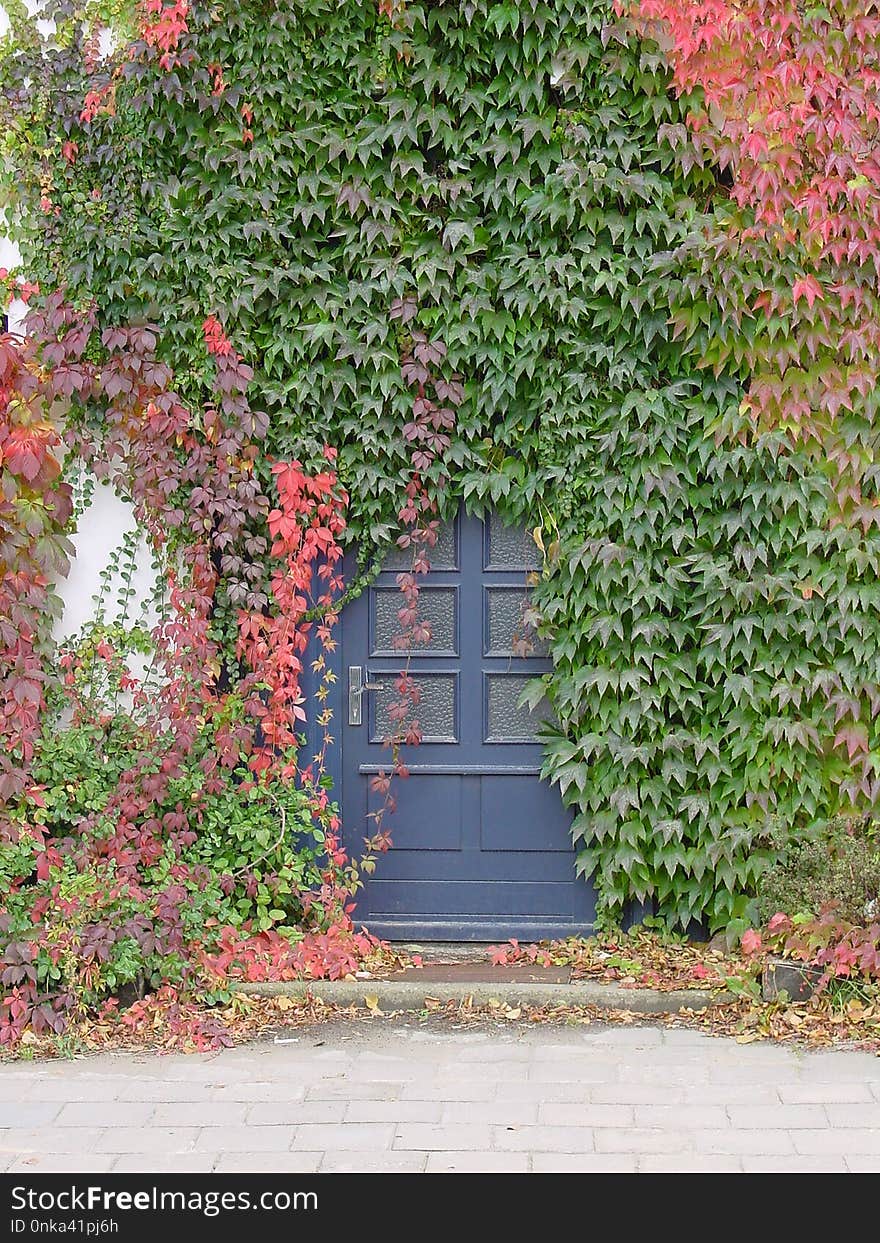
(481,845)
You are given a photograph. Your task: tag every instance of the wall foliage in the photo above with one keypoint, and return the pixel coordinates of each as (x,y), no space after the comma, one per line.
(35,508)
(527,194)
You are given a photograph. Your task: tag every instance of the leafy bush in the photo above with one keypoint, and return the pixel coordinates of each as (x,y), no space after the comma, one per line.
(130,859)
(85,914)
(838,863)
(842,950)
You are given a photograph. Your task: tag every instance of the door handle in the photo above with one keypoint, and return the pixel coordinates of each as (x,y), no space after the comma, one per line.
(356,688)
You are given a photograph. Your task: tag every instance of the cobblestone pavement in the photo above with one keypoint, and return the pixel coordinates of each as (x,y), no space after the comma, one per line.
(395,1096)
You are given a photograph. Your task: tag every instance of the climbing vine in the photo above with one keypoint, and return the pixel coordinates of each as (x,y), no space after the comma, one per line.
(658,341)
(35,506)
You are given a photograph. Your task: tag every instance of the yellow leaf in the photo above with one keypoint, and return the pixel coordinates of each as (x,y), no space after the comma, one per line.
(372,1004)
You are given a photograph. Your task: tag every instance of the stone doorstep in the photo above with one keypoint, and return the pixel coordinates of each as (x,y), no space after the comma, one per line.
(447,951)
(410,992)
(458,971)
(482,973)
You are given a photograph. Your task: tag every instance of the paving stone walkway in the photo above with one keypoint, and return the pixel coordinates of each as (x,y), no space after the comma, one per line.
(395,1096)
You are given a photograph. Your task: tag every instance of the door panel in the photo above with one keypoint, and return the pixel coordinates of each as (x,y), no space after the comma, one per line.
(483,912)
(509,548)
(507,633)
(481,845)
(411,829)
(437,710)
(503,718)
(437,605)
(444,554)
(522,813)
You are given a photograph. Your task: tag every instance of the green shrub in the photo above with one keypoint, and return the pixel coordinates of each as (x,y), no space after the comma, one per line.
(254,842)
(101,894)
(839,863)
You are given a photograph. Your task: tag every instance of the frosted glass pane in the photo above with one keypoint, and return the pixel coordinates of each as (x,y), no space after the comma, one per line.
(435,712)
(509,633)
(441,556)
(511,548)
(436,607)
(507,722)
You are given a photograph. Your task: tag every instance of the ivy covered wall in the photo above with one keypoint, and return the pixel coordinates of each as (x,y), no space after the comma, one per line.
(511,180)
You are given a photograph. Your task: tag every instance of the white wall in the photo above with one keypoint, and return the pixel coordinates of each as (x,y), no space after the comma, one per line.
(9,259)
(100,531)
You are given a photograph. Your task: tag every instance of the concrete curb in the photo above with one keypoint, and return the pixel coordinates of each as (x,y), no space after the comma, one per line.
(410,994)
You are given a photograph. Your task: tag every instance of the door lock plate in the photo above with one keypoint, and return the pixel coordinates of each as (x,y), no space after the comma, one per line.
(356,687)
